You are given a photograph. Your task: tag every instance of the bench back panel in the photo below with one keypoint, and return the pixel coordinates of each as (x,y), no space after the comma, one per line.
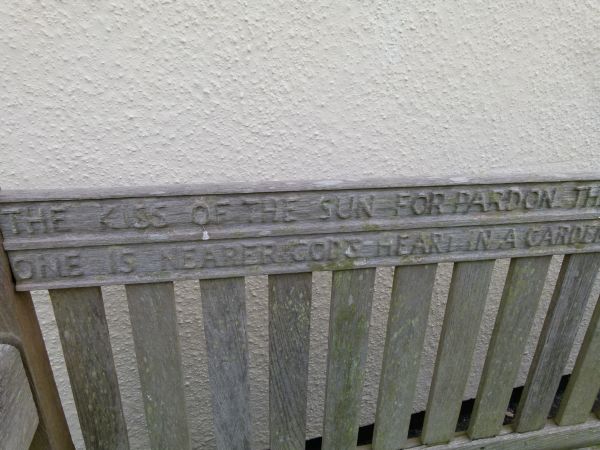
(71,243)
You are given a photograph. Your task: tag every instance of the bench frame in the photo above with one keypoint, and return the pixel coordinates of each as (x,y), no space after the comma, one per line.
(73,242)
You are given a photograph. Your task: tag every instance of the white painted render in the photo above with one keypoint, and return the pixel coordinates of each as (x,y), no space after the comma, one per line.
(130,92)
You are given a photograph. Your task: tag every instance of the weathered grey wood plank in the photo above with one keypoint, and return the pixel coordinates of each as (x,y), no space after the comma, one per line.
(551,437)
(126,220)
(289,337)
(464,310)
(584,383)
(18,413)
(568,302)
(156,261)
(88,355)
(82,193)
(19,327)
(406,326)
(520,299)
(224,317)
(351,299)
(158,354)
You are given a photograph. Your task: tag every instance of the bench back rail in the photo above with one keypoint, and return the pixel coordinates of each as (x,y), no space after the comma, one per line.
(71,243)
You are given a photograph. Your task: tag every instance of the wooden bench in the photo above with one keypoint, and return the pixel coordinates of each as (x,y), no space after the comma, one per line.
(73,242)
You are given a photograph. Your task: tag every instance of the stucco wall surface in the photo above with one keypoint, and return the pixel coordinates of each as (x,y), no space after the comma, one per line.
(129,92)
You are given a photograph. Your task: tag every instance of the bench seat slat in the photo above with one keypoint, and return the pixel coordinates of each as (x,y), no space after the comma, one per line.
(407,321)
(289,337)
(464,310)
(351,299)
(584,383)
(520,299)
(224,317)
(158,354)
(558,333)
(88,355)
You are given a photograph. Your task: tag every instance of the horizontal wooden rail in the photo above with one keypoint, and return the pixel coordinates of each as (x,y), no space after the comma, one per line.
(156,262)
(551,437)
(73,239)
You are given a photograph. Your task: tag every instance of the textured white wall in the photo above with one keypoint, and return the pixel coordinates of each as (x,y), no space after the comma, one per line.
(123,92)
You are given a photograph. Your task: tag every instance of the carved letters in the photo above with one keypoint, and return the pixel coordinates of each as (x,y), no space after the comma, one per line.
(91,241)
(235,215)
(105,264)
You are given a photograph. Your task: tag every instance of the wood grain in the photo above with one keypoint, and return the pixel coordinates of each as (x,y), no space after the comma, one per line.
(83,193)
(19,326)
(351,298)
(126,220)
(462,319)
(224,317)
(551,437)
(584,383)
(564,315)
(158,354)
(407,322)
(88,355)
(18,413)
(156,261)
(520,299)
(289,337)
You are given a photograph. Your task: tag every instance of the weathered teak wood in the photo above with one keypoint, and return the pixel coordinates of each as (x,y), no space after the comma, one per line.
(406,326)
(464,310)
(19,326)
(560,327)
(154,327)
(18,413)
(224,313)
(522,290)
(289,336)
(86,346)
(77,241)
(70,239)
(551,437)
(579,397)
(351,298)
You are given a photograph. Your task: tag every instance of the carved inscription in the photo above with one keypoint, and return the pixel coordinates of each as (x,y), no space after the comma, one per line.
(229,216)
(198,259)
(129,237)
(32,220)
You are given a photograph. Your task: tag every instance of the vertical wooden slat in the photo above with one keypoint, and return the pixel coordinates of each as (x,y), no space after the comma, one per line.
(289,336)
(520,299)
(224,311)
(19,326)
(18,414)
(406,325)
(584,383)
(351,299)
(86,346)
(464,310)
(158,354)
(568,302)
